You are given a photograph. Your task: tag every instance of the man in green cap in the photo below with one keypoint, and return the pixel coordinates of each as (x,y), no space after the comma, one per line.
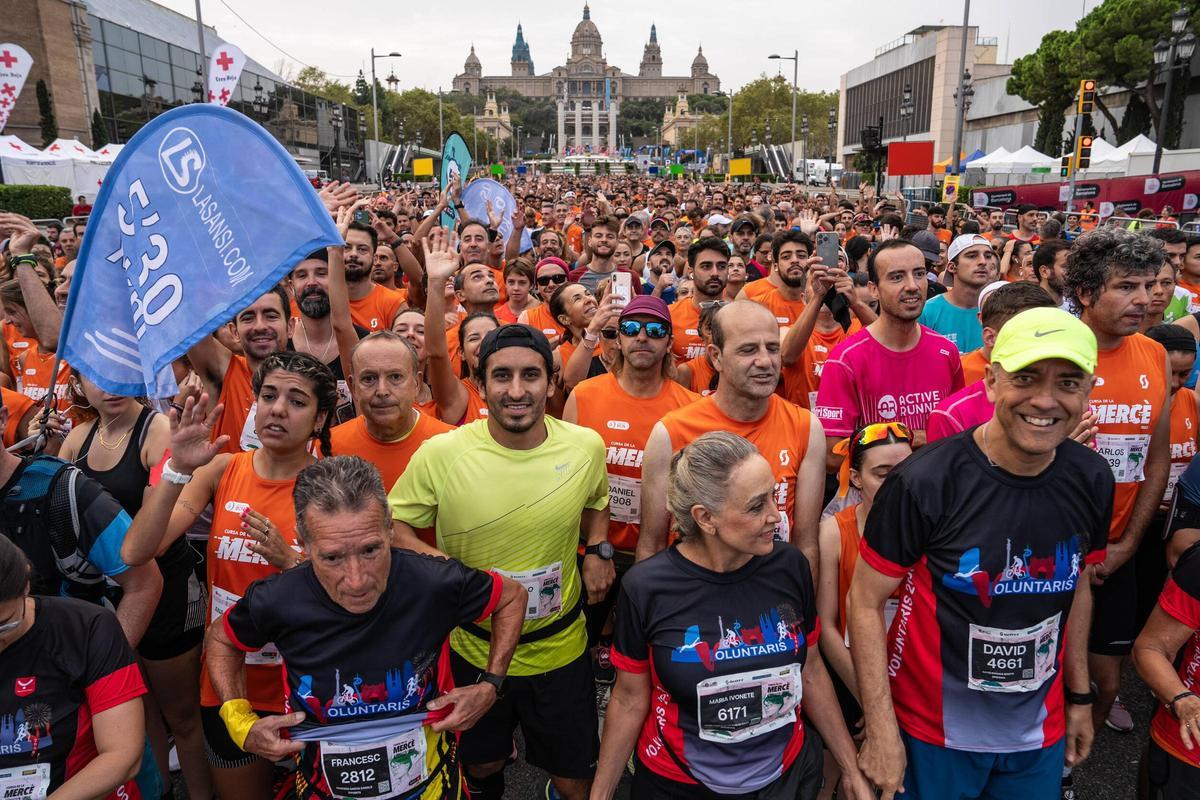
(992,532)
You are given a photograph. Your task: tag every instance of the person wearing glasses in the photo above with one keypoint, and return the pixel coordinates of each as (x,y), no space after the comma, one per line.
(994,534)
(874,451)
(721,690)
(745,352)
(71,720)
(550,273)
(622,406)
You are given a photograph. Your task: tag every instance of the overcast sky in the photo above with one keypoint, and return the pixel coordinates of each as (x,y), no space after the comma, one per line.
(435,37)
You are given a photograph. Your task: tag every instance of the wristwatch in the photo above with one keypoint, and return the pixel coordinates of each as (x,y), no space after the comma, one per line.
(604,550)
(498,682)
(1080,698)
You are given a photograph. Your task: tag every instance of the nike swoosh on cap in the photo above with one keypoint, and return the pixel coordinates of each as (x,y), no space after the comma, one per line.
(1040,334)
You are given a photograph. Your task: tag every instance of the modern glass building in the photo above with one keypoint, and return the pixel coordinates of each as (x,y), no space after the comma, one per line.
(146,63)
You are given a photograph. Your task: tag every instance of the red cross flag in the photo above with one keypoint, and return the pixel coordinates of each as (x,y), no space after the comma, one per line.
(14,66)
(224,69)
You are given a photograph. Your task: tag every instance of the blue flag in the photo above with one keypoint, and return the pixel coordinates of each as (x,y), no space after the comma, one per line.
(456,160)
(201,213)
(475,198)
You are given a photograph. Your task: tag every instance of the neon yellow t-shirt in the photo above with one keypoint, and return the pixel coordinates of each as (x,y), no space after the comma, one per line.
(515,511)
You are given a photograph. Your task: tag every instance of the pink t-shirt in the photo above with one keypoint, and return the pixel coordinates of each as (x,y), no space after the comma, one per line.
(964,409)
(865,382)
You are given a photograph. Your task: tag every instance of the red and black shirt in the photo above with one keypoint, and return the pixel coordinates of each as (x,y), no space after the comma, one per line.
(1180,599)
(73,663)
(992,560)
(725,653)
(363,670)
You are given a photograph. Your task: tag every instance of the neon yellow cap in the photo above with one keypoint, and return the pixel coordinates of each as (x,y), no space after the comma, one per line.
(1041,333)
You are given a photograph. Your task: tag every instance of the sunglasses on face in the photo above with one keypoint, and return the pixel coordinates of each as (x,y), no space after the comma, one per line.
(546,280)
(713,304)
(654,330)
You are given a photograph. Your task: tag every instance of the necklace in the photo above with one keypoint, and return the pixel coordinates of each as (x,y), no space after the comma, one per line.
(100,435)
(324,356)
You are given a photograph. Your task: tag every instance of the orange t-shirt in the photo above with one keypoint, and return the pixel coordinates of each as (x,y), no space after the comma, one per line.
(540,317)
(376,311)
(624,423)
(17,344)
(18,406)
(756,290)
(702,375)
(799,382)
(1194,300)
(35,375)
(781,435)
(390,458)
(973,365)
(232,567)
(238,398)
(847,522)
(943,235)
(1184,428)
(786,311)
(1128,400)
(477,407)
(686,343)
(504,314)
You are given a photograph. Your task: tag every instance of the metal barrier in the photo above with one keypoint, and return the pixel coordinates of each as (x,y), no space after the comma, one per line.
(1138,223)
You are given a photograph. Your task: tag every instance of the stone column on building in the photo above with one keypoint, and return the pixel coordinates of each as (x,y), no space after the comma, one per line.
(596,125)
(612,125)
(559,143)
(579,123)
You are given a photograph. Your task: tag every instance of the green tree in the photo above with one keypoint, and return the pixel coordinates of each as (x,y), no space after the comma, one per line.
(362,90)
(99,130)
(46,120)
(1047,79)
(314,79)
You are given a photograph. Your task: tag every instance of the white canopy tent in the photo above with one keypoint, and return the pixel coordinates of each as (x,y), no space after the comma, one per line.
(23,163)
(997,156)
(1025,160)
(1116,159)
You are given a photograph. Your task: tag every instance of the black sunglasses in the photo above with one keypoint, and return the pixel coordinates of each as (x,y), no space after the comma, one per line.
(632,327)
(608,333)
(546,280)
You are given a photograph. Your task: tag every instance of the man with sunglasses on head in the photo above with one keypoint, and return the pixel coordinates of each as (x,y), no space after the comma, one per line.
(623,406)
(745,351)
(980,687)
(708,263)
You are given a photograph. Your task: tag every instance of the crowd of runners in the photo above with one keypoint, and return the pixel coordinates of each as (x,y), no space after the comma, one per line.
(710,490)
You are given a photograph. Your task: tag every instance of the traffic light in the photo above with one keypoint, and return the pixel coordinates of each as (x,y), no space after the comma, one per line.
(1084,157)
(1087,96)
(1065,171)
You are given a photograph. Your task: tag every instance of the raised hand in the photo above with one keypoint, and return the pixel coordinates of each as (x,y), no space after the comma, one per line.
(192,445)
(21,232)
(441,256)
(808,221)
(336,194)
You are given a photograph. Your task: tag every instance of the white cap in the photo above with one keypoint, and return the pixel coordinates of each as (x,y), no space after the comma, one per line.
(963,242)
(987,290)
(719,219)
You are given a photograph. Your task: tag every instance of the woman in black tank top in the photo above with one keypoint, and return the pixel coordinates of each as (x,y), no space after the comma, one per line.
(118,447)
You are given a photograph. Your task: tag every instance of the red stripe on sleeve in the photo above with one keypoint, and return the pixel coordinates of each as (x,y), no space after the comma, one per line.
(1096,556)
(879,563)
(1179,604)
(233,636)
(627,664)
(494,600)
(815,634)
(115,688)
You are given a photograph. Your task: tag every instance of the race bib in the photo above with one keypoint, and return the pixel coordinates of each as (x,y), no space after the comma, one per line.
(625,499)
(1001,660)
(30,782)
(222,601)
(1125,454)
(380,770)
(249,439)
(1172,479)
(543,587)
(783,528)
(737,707)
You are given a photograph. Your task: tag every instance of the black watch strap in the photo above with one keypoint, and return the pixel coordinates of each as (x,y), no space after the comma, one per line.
(603,549)
(498,682)
(1080,698)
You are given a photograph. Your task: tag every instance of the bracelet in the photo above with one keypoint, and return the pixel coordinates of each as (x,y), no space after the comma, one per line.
(590,342)
(1176,699)
(239,717)
(25,258)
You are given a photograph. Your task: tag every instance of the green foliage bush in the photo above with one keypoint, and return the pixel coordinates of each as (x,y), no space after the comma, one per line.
(36,202)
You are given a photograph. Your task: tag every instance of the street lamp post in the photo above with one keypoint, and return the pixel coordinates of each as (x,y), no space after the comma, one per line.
(375,105)
(336,118)
(961,93)
(795,59)
(906,112)
(832,126)
(1170,55)
(804,151)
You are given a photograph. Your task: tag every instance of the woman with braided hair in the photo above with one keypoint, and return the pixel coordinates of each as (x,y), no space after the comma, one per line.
(253,533)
